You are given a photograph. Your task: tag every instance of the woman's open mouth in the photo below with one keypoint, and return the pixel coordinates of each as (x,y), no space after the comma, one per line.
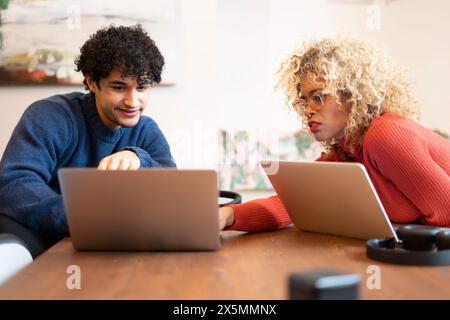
(314,126)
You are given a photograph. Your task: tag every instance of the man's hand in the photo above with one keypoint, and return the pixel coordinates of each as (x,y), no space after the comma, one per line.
(226,217)
(123,160)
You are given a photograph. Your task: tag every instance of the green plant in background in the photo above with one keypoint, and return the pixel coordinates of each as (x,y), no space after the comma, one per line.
(4,4)
(303,141)
(241,150)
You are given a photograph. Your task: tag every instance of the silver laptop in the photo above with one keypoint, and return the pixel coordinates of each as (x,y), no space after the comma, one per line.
(330,197)
(147,209)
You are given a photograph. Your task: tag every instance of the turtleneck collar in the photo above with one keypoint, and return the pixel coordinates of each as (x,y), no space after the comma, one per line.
(358,153)
(101,131)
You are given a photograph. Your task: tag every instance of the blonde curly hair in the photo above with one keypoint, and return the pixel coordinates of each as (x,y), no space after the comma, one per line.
(352,68)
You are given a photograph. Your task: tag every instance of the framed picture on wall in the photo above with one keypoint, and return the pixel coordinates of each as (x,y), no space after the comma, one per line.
(39,40)
(240,153)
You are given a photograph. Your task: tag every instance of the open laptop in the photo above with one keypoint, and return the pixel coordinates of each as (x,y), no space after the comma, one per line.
(330,197)
(147,209)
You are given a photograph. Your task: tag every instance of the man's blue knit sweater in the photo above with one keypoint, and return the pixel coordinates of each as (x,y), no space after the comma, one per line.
(65,131)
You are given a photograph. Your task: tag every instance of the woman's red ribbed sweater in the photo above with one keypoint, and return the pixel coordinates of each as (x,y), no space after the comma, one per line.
(408,164)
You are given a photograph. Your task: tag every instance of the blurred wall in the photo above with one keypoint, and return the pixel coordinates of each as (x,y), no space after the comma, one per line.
(229,50)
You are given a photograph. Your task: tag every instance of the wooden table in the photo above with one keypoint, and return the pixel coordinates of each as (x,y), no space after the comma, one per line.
(248,266)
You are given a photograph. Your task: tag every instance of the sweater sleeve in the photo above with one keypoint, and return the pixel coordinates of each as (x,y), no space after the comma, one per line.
(153,150)
(260,215)
(29,166)
(403,157)
(268,213)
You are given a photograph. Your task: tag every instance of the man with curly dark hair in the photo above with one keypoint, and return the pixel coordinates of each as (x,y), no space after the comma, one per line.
(104,128)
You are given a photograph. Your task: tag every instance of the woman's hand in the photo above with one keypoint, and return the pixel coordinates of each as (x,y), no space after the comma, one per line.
(226,217)
(123,160)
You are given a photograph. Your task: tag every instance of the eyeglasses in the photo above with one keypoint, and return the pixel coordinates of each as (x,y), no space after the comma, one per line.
(315,101)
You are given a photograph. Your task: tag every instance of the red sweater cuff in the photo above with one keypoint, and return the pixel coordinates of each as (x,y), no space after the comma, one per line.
(260,215)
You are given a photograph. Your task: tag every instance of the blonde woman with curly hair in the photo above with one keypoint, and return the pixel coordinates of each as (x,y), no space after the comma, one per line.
(360,107)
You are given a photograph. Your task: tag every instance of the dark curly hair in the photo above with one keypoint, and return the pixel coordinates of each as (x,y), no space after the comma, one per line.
(129,50)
